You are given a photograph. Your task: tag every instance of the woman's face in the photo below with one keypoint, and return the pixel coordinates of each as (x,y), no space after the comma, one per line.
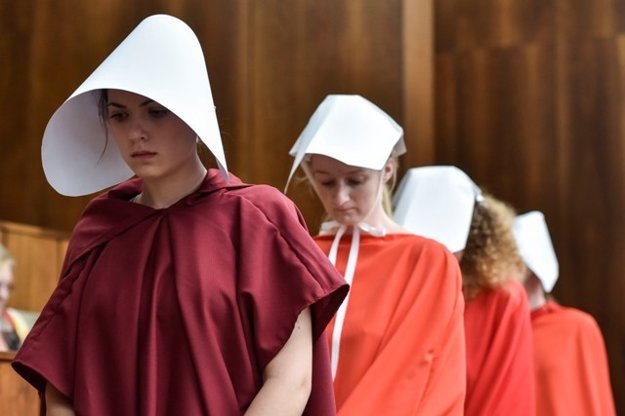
(153,141)
(349,194)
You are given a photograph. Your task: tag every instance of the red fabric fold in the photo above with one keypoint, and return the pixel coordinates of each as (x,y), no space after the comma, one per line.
(178,310)
(402,344)
(500,372)
(572,376)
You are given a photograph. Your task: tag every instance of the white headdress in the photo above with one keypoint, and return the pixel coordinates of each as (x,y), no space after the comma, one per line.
(352,130)
(437,202)
(535,247)
(160,59)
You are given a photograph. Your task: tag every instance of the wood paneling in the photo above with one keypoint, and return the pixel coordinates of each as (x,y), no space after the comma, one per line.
(418,83)
(270,64)
(17,397)
(299,53)
(38,255)
(529,101)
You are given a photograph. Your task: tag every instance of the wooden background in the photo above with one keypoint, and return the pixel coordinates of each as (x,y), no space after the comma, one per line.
(527,96)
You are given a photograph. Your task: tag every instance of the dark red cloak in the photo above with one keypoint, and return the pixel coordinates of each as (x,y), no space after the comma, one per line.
(178,310)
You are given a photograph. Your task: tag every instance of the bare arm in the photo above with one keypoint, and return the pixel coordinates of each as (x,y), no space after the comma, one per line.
(288,377)
(56,403)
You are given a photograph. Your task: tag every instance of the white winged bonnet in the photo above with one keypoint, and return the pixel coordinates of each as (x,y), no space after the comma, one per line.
(437,202)
(535,247)
(352,130)
(160,59)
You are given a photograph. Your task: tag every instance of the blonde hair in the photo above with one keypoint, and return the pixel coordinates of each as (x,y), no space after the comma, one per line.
(5,256)
(490,257)
(389,186)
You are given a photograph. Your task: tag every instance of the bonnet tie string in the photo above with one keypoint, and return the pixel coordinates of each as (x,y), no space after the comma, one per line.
(350,269)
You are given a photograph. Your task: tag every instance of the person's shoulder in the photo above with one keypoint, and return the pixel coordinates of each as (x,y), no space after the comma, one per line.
(265,199)
(261,195)
(258,192)
(510,296)
(424,246)
(512,290)
(576,319)
(433,261)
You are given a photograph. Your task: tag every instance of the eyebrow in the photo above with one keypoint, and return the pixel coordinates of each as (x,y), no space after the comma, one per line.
(351,172)
(114,104)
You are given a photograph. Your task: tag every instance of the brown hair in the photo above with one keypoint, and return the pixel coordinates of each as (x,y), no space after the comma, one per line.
(103,114)
(490,257)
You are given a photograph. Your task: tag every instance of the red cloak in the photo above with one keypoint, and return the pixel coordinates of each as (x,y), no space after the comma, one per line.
(500,372)
(178,310)
(402,344)
(572,376)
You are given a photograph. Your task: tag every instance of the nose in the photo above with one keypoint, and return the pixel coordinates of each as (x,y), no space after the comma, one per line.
(137,131)
(341,194)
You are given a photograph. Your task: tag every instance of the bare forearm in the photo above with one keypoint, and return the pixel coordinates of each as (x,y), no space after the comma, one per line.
(288,377)
(57,404)
(280,398)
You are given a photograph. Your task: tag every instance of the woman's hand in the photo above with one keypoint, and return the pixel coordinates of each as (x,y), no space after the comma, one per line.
(56,403)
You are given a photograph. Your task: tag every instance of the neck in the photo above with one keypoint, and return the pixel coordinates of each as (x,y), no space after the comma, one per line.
(380,219)
(535,293)
(536,300)
(164,192)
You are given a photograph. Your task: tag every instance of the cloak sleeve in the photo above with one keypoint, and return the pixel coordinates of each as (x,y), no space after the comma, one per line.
(46,355)
(445,390)
(419,369)
(282,272)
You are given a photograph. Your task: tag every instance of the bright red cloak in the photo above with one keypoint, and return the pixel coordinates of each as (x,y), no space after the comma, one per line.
(572,376)
(402,344)
(500,372)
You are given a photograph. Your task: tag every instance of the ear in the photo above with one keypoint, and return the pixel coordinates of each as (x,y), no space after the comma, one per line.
(389,170)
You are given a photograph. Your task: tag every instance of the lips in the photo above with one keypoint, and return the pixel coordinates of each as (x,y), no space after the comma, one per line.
(142,154)
(344,211)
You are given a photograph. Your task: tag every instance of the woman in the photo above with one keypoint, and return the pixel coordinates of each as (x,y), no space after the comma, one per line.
(184,291)
(443,203)
(499,337)
(570,360)
(397,341)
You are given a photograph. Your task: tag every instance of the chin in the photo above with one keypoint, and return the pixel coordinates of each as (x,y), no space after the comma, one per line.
(348,221)
(144,173)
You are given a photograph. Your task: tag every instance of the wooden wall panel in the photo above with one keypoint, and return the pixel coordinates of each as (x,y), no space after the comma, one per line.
(418,81)
(270,65)
(38,255)
(48,48)
(530,102)
(17,397)
(299,53)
